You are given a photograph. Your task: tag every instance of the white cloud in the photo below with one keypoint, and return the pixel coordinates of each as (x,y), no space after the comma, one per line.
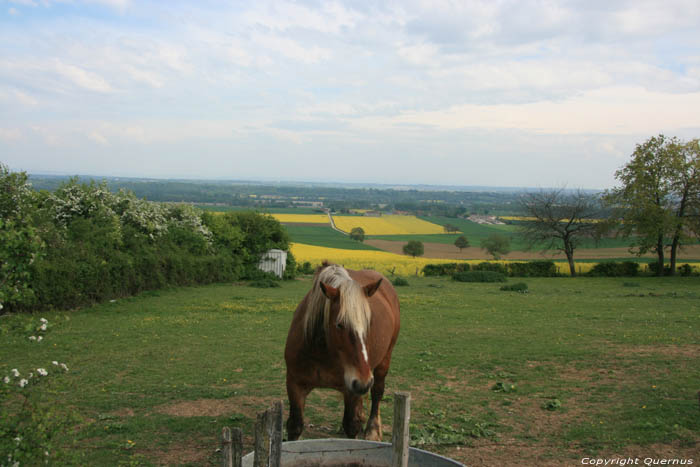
(10,134)
(608,111)
(292,49)
(83,78)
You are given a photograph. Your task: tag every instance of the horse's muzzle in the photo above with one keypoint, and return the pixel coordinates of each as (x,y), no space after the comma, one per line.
(359,388)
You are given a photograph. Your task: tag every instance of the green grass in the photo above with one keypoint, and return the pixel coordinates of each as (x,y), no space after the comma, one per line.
(478,232)
(622,362)
(324,235)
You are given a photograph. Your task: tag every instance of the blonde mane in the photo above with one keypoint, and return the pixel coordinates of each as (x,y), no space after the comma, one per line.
(354,308)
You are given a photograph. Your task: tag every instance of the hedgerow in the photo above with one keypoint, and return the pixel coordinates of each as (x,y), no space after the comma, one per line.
(82,244)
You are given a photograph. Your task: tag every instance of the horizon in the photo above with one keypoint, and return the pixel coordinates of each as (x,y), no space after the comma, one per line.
(338,183)
(511,94)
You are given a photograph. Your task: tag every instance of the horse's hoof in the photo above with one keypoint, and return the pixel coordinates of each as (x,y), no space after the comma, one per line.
(373,436)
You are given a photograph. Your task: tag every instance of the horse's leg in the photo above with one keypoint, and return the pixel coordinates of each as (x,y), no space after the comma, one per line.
(297,398)
(354,414)
(373,432)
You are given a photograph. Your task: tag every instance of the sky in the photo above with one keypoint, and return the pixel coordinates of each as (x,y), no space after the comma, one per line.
(492,93)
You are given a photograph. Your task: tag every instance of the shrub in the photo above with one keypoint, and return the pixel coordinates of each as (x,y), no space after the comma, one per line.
(493,267)
(614,269)
(82,244)
(654,268)
(306,268)
(445,269)
(517,287)
(265,283)
(290,269)
(685,270)
(533,269)
(479,276)
(399,282)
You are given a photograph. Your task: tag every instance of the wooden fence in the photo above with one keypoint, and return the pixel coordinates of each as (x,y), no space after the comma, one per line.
(268,437)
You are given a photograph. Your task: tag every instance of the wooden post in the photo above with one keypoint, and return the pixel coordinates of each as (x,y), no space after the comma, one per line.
(237,445)
(226,448)
(261,458)
(276,435)
(232,447)
(399,434)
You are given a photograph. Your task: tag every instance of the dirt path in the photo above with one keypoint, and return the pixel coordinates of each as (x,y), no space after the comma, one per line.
(446,251)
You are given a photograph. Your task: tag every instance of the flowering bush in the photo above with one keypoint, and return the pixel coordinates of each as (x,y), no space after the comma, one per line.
(82,244)
(20,245)
(28,429)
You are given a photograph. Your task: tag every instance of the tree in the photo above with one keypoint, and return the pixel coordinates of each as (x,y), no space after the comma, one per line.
(461,242)
(450,228)
(658,196)
(559,220)
(685,182)
(496,245)
(413,248)
(358,233)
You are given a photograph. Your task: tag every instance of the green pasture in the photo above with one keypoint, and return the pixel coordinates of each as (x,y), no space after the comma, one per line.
(478,232)
(575,367)
(323,235)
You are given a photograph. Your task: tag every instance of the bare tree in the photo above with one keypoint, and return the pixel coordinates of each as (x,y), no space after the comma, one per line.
(559,220)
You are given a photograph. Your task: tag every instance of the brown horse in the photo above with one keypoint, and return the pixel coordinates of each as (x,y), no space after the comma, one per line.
(341,337)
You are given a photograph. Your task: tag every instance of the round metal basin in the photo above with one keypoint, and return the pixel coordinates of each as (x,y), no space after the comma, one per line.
(350,453)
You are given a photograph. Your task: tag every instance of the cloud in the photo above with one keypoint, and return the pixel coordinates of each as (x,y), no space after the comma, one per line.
(83,78)
(606,111)
(10,134)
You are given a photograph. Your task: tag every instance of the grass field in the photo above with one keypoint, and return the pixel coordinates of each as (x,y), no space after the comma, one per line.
(324,236)
(577,367)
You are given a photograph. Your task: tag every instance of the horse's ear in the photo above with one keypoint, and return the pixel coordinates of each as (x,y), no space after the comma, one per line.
(371,288)
(328,291)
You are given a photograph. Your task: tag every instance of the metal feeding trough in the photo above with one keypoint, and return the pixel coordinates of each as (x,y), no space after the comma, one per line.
(270,451)
(349,453)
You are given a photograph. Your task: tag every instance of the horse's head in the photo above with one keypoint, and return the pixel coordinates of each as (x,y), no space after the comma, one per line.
(347,327)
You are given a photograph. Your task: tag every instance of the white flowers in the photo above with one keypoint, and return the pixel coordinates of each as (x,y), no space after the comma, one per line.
(62,365)
(40,372)
(42,328)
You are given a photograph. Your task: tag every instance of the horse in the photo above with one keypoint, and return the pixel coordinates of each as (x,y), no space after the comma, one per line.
(341,337)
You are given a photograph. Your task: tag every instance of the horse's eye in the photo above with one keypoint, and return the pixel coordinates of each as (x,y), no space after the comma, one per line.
(339,326)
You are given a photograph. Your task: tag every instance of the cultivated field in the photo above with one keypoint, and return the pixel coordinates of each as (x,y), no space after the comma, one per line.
(576,367)
(388,225)
(400,264)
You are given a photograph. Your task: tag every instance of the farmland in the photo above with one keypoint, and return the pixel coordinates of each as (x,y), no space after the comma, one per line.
(154,378)
(388,225)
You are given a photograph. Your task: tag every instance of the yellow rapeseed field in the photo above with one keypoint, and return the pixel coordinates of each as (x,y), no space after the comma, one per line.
(301,218)
(385,262)
(388,225)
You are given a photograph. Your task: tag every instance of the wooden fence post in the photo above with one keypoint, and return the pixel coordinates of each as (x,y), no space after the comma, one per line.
(237,445)
(268,437)
(226,448)
(399,433)
(261,458)
(276,435)
(232,447)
